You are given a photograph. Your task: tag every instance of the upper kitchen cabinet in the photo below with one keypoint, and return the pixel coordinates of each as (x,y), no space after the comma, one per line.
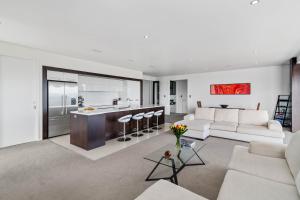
(93,84)
(62,76)
(69,77)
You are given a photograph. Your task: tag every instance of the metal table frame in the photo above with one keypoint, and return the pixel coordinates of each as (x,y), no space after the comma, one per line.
(173,178)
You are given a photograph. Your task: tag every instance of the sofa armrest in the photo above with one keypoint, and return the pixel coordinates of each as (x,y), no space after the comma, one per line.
(274,125)
(164,190)
(274,150)
(189,117)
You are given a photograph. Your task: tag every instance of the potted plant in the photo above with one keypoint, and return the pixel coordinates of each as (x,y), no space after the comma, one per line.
(178,130)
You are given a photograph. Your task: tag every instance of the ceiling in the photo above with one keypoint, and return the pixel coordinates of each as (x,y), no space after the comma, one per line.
(184,36)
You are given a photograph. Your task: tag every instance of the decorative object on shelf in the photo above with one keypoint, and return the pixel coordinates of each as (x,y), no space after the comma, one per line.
(167,154)
(224,106)
(199,104)
(89,109)
(230,89)
(115,102)
(258,106)
(80,101)
(178,131)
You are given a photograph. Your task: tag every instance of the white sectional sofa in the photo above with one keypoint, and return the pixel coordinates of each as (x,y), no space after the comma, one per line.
(264,171)
(244,125)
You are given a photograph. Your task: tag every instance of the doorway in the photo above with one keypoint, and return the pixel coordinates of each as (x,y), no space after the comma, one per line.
(150,92)
(178,96)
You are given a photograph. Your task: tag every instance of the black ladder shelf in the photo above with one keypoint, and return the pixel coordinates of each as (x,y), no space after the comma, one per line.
(283,111)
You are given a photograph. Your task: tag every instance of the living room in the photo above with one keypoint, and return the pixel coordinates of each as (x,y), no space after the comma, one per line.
(149,100)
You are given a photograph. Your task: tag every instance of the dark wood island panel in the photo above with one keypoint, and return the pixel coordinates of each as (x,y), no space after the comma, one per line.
(87,131)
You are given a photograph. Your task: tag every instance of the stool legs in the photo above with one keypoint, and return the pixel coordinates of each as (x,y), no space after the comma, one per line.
(157,127)
(137,134)
(124,138)
(148,128)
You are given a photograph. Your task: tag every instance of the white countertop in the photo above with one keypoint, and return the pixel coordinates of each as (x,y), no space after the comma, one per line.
(99,111)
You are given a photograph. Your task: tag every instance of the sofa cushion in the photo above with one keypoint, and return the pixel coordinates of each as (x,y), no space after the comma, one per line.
(238,185)
(227,115)
(197,124)
(259,130)
(269,149)
(253,117)
(164,190)
(224,126)
(292,153)
(275,169)
(205,113)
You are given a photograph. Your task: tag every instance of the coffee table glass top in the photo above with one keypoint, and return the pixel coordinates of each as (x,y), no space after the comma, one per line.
(181,157)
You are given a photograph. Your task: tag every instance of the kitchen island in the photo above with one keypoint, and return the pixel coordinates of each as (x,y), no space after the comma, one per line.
(90,129)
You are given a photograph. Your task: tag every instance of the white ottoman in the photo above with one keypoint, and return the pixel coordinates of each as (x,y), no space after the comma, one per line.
(197,134)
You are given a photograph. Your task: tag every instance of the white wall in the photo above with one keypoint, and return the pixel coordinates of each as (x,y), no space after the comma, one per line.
(266,84)
(150,78)
(18,99)
(40,58)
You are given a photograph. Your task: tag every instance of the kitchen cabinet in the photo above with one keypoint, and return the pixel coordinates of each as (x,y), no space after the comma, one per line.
(69,77)
(62,76)
(55,76)
(94,84)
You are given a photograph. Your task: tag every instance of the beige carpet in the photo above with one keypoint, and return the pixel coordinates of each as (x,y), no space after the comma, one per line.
(47,171)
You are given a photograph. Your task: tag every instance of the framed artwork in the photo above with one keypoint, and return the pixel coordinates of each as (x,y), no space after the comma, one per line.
(230,89)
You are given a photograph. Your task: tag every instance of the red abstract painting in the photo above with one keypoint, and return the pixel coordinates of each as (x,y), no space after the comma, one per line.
(230,89)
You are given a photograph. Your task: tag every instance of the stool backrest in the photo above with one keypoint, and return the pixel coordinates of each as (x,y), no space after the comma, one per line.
(138,116)
(149,114)
(158,113)
(125,119)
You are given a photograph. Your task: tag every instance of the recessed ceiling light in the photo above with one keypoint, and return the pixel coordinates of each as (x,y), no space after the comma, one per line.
(146,36)
(96,50)
(254,2)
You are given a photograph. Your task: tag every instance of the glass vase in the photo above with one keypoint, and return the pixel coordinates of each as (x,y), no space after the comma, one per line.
(178,145)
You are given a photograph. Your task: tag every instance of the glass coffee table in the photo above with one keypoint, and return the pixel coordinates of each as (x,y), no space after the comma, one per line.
(177,161)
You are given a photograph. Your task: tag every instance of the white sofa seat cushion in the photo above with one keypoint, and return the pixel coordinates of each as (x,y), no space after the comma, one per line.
(242,186)
(164,190)
(259,130)
(275,169)
(189,117)
(292,153)
(200,125)
(224,126)
(227,115)
(205,113)
(254,117)
(270,149)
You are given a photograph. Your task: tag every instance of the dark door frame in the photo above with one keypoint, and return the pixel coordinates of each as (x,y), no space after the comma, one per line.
(45,89)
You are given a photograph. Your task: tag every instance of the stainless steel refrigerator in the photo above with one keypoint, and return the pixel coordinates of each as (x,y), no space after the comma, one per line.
(62,99)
